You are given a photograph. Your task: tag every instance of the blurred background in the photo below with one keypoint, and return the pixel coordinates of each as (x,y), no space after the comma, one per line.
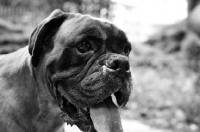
(165,55)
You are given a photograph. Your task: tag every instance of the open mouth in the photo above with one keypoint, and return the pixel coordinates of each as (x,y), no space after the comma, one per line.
(102,117)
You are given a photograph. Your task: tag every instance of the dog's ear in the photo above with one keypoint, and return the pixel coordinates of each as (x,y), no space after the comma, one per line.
(45,30)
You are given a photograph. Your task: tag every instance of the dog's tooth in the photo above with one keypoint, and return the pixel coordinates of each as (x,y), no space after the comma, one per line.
(114,100)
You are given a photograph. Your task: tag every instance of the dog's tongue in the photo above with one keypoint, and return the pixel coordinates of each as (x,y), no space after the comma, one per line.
(105,117)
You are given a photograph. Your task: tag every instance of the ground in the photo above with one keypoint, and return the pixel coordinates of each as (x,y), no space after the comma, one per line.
(128,126)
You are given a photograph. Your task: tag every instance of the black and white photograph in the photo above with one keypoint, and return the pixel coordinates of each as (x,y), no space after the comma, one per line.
(99,65)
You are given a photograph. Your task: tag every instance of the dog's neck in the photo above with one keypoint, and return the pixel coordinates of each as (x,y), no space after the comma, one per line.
(22,95)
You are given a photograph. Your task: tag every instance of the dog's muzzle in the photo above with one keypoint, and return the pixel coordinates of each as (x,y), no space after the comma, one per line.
(88,103)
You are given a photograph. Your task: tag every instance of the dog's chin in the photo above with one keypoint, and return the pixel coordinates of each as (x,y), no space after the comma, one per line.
(75,116)
(88,119)
(81,104)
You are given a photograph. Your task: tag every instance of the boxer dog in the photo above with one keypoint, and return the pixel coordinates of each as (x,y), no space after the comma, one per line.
(71,68)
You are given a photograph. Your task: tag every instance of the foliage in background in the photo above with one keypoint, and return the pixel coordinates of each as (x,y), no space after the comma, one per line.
(170,79)
(82,6)
(19,17)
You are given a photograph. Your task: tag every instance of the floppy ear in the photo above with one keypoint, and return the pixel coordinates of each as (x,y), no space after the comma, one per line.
(45,30)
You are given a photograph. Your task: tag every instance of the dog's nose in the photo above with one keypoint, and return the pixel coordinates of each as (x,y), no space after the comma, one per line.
(118,63)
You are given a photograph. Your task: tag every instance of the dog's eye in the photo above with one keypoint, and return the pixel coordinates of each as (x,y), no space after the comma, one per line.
(84,47)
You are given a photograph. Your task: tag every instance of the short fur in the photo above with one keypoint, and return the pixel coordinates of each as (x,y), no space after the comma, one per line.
(30,76)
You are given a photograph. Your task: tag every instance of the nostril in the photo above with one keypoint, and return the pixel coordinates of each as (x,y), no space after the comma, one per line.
(118,64)
(112,64)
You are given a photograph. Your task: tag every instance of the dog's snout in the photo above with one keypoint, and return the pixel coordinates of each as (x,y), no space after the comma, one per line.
(118,63)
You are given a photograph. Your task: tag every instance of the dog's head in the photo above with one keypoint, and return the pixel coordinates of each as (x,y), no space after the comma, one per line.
(83,61)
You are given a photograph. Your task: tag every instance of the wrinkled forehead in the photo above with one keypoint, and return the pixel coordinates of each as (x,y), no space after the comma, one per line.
(81,25)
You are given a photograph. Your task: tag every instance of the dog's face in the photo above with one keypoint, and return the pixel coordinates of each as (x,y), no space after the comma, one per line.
(84,61)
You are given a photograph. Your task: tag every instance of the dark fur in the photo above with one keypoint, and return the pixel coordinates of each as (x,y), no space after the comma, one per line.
(30,76)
